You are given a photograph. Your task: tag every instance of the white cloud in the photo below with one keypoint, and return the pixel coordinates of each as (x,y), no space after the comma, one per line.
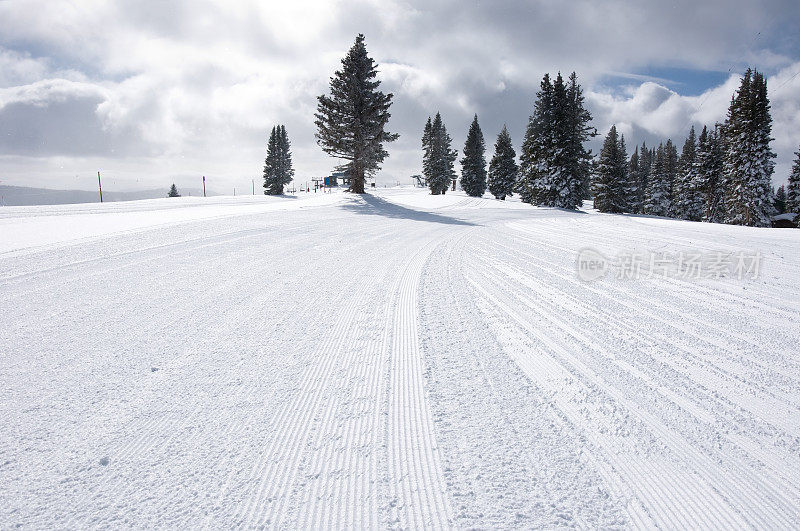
(18,68)
(47,91)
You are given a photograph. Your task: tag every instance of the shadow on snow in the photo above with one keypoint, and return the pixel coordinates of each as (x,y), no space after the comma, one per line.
(370,205)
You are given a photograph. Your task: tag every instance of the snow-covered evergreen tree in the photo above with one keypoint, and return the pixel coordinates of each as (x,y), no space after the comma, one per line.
(442,158)
(657,196)
(710,178)
(646,156)
(351,121)
(173,191)
(749,160)
(503,167)
(671,168)
(610,186)
(427,136)
(533,176)
(576,159)
(627,188)
(473,164)
(634,193)
(278,171)
(555,167)
(287,169)
(793,188)
(780,200)
(688,197)
(271,164)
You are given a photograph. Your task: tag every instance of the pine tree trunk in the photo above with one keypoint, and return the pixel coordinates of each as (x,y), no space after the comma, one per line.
(357,186)
(357,181)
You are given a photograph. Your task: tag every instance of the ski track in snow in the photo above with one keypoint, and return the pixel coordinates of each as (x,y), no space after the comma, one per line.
(392,361)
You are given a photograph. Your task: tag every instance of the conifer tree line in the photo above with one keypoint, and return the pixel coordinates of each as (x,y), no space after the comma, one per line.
(554,168)
(722,176)
(278,171)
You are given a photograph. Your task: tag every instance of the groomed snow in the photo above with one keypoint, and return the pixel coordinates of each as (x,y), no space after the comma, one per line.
(392,360)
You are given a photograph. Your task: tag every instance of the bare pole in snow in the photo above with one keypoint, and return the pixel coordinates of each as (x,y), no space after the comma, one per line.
(204,185)
(100,185)
(254,186)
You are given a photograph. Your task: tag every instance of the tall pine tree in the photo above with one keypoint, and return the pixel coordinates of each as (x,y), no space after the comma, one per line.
(610,185)
(503,167)
(749,160)
(439,158)
(657,197)
(710,178)
(351,121)
(533,176)
(634,203)
(577,158)
(688,197)
(278,171)
(555,167)
(173,191)
(427,146)
(646,156)
(473,165)
(793,187)
(780,200)
(671,169)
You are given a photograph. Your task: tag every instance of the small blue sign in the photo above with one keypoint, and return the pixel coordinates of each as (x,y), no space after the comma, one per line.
(327,181)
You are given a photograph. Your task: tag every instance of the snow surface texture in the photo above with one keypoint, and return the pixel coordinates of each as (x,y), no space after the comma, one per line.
(392,360)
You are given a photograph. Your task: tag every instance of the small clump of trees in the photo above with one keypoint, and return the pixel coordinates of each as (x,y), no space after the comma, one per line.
(438,157)
(555,166)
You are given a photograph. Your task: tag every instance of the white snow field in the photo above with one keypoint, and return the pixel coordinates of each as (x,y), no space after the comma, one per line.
(392,360)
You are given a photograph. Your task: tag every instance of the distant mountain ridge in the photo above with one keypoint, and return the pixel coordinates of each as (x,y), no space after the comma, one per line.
(26,196)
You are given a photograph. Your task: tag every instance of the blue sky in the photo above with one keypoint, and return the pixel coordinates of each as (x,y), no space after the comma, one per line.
(152,92)
(686,81)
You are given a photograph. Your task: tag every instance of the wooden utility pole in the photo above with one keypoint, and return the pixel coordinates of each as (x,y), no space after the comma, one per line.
(100,185)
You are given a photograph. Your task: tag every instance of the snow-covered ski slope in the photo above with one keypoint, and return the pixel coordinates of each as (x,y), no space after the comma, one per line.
(392,360)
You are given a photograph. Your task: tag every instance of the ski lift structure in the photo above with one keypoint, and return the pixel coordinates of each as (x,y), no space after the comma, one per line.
(335,179)
(342,176)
